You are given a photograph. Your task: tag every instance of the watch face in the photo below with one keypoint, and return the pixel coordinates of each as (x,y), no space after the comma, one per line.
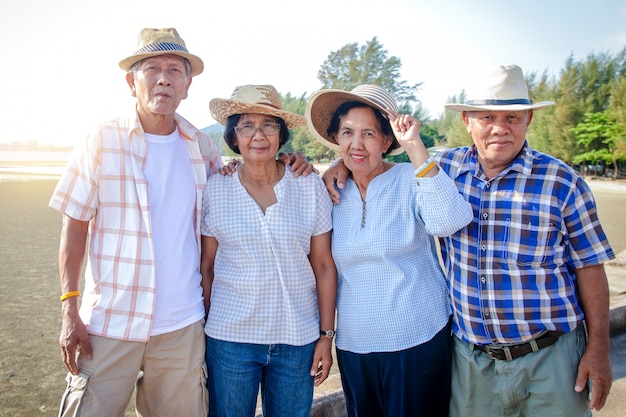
(328,333)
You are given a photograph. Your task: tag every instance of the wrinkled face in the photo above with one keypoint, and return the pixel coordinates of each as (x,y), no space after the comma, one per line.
(362,142)
(260,146)
(160,84)
(498,136)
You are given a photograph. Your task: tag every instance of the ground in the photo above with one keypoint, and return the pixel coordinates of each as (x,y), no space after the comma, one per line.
(31,372)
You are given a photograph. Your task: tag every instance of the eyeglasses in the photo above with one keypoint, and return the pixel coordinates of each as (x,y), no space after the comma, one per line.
(268,129)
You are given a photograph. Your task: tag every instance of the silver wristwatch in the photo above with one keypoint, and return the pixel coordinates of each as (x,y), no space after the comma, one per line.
(328,333)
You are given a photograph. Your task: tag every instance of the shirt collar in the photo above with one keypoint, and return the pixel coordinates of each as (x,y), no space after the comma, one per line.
(186,129)
(522,163)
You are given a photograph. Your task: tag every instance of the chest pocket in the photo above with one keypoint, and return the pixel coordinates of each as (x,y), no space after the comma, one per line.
(528,243)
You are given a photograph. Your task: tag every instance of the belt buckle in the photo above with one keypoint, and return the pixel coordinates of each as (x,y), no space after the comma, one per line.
(496,353)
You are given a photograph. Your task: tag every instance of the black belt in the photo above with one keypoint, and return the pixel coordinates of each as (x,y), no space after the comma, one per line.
(510,352)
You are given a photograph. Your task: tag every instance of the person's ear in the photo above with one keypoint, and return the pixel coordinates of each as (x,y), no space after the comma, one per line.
(130,79)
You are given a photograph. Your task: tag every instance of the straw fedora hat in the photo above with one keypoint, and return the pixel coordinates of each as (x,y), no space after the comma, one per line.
(322,106)
(261,99)
(153,42)
(501,87)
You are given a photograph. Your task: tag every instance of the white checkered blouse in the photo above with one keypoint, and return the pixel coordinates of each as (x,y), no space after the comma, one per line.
(264,289)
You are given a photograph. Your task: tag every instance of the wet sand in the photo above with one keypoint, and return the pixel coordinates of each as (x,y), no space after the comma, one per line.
(31,372)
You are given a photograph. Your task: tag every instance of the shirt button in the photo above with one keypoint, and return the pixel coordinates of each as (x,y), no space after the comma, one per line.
(485,215)
(483,279)
(483,247)
(486,313)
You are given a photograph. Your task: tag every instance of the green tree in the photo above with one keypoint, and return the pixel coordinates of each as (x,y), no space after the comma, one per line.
(600,135)
(541,88)
(355,64)
(451,125)
(346,68)
(582,87)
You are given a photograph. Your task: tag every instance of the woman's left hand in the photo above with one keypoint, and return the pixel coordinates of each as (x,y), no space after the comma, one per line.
(230,168)
(322,360)
(406,128)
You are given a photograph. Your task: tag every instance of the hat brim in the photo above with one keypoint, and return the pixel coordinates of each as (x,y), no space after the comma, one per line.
(459,107)
(322,106)
(197,66)
(222,109)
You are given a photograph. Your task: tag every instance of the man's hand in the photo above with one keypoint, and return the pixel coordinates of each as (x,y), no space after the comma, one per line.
(73,338)
(298,162)
(595,367)
(335,175)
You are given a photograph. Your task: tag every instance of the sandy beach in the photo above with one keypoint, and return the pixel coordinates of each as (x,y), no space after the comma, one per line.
(32,374)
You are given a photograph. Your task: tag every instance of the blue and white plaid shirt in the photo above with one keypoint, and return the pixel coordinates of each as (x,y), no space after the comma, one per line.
(511,272)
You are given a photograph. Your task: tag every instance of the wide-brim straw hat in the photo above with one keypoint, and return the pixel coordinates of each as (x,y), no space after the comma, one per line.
(260,99)
(322,106)
(499,87)
(153,42)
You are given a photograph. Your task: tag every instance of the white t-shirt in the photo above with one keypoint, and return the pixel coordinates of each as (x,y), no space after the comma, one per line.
(172,196)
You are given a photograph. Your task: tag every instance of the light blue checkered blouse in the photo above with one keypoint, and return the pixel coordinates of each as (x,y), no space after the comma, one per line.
(392,291)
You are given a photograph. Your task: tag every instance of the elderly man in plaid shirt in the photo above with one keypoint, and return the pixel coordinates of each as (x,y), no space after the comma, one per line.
(529,292)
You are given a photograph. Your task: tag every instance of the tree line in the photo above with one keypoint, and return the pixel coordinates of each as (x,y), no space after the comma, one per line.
(586,127)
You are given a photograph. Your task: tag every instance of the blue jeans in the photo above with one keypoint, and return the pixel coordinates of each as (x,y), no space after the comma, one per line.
(237,369)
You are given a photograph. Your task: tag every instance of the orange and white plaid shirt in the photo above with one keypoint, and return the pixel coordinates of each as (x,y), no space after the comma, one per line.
(104,184)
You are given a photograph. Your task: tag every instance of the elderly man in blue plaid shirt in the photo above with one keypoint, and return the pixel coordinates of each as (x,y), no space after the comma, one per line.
(529,292)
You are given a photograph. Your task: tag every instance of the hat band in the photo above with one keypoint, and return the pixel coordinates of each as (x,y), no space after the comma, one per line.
(160,47)
(497,102)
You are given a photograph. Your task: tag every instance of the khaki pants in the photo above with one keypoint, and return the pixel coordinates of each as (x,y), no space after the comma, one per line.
(169,372)
(537,384)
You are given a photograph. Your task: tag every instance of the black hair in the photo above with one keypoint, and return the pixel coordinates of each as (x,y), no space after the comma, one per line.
(230,135)
(383,122)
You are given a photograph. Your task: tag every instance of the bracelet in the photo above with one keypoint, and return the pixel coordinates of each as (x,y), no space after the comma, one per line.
(426,162)
(425,167)
(426,170)
(69,294)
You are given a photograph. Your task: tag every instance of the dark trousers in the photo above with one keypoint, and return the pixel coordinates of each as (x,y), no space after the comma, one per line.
(408,383)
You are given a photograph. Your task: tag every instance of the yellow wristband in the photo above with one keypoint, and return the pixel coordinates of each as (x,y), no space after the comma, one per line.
(69,294)
(426,170)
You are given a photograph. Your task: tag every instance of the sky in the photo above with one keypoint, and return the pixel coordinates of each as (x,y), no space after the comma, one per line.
(59,74)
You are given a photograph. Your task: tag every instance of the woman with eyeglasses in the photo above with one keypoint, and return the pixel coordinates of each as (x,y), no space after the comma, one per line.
(269,279)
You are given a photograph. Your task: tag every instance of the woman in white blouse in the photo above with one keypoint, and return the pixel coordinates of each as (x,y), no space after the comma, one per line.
(269,277)
(393,315)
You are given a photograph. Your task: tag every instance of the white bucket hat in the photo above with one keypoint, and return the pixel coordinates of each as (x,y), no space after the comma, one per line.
(501,87)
